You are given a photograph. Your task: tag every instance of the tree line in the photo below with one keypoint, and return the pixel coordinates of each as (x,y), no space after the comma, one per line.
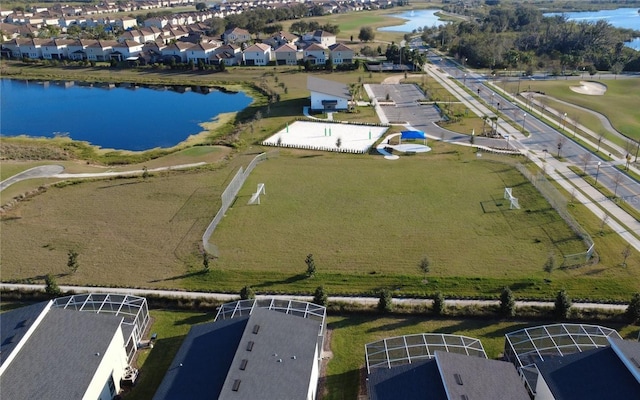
(521,37)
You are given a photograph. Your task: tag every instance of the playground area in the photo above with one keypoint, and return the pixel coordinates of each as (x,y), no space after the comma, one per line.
(385,147)
(327,136)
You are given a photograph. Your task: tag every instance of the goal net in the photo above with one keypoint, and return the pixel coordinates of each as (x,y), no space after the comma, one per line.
(514,200)
(255,198)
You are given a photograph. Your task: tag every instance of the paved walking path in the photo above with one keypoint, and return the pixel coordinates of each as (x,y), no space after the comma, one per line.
(55,171)
(365,301)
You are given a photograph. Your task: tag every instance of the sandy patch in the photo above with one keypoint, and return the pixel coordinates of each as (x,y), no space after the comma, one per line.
(590,88)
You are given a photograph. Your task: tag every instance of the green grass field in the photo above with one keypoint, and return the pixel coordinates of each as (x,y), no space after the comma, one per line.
(367,221)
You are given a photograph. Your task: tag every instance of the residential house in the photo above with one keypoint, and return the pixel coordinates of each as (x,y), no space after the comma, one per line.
(177,50)
(25,47)
(236,35)
(201,52)
(287,54)
(227,53)
(257,54)
(263,349)
(125,23)
(281,38)
(341,54)
(78,49)
(76,347)
(100,50)
(323,37)
(316,53)
(126,50)
(447,375)
(611,372)
(56,49)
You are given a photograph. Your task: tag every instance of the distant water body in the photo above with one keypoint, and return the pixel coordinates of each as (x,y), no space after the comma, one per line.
(111,117)
(415,19)
(628,18)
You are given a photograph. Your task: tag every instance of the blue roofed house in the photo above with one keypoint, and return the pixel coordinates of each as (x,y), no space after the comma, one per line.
(260,349)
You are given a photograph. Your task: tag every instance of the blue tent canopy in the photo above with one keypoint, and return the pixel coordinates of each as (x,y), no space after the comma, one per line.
(413,135)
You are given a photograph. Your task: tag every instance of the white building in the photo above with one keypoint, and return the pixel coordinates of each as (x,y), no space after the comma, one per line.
(328,95)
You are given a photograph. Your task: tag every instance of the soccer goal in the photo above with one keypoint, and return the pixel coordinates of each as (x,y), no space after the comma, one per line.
(514,200)
(255,198)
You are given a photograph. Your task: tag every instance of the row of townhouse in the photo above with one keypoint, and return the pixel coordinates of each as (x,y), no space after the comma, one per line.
(123,23)
(208,51)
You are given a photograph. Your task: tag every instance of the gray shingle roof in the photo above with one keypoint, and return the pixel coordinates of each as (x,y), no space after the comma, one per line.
(479,378)
(331,88)
(13,326)
(281,359)
(60,358)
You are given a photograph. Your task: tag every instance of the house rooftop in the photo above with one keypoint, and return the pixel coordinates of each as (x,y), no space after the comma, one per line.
(274,348)
(448,376)
(593,374)
(199,368)
(331,88)
(60,358)
(14,325)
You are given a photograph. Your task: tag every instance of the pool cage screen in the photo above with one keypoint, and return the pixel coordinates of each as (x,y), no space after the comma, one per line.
(525,347)
(399,350)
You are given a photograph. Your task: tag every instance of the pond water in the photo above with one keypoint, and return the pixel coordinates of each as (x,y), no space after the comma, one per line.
(415,19)
(628,18)
(122,118)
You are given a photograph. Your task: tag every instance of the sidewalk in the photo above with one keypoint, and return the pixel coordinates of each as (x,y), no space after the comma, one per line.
(365,301)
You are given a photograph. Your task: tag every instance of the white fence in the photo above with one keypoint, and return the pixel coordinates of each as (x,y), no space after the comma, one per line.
(228,197)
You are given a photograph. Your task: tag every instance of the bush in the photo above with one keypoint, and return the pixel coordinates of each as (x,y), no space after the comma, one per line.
(438,304)
(247,293)
(51,287)
(320,296)
(633,310)
(562,305)
(507,303)
(385,302)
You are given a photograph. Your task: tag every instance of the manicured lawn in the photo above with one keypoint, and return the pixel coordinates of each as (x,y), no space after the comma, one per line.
(367,221)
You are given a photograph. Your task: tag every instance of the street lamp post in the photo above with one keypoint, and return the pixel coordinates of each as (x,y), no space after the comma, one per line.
(524,119)
(464,81)
(564,117)
(507,136)
(598,172)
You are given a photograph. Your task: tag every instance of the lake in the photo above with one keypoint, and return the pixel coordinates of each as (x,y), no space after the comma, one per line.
(415,19)
(122,118)
(628,18)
